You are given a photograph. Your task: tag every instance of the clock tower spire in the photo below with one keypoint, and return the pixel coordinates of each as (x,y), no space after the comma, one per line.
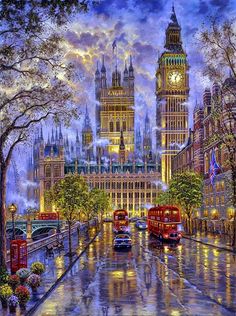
(172,92)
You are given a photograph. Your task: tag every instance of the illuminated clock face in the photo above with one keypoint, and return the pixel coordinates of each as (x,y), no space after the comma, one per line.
(175,78)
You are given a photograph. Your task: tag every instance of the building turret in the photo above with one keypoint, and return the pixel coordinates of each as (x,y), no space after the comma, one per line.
(122,157)
(52,137)
(116,78)
(60,136)
(138,142)
(97,83)
(131,74)
(87,137)
(41,136)
(77,145)
(103,74)
(198,116)
(126,77)
(207,101)
(147,138)
(173,35)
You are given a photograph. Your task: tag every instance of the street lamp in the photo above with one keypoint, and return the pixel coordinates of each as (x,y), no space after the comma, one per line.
(12,209)
(58,223)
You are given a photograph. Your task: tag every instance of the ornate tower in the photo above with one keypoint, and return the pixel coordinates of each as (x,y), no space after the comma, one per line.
(147,138)
(87,137)
(172,91)
(116,109)
(198,116)
(122,157)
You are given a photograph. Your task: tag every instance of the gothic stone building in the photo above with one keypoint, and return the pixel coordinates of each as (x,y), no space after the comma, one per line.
(196,156)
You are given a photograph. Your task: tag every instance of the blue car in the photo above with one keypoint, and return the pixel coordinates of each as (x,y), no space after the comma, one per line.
(122,241)
(141,225)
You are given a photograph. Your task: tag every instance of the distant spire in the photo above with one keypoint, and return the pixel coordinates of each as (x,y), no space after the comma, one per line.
(97,70)
(173,15)
(130,64)
(60,133)
(48,143)
(52,137)
(77,136)
(41,133)
(103,69)
(56,134)
(126,70)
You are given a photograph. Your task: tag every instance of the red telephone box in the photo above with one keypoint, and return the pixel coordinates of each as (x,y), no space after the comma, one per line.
(18,253)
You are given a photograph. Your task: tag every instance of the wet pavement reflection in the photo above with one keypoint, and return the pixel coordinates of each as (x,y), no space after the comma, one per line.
(151,279)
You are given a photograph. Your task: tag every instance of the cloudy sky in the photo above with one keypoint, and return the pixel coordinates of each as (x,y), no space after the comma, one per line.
(139,28)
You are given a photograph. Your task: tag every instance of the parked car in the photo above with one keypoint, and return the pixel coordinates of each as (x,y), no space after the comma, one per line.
(141,225)
(133,219)
(107,220)
(122,241)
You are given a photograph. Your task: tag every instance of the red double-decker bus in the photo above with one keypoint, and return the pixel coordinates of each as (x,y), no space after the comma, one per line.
(48,216)
(165,223)
(121,221)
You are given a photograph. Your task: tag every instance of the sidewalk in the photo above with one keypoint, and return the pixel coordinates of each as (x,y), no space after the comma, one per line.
(55,267)
(219,241)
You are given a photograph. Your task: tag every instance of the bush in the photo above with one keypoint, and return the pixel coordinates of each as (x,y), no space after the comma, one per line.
(23,294)
(33,280)
(5,291)
(23,273)
(14,280)
(13,301)
(4,276)
(37,268)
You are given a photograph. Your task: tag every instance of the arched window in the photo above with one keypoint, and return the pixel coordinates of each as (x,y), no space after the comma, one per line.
(206,163)
(47,171)
(57,171)
(111,127)
(124,126)
(118,126)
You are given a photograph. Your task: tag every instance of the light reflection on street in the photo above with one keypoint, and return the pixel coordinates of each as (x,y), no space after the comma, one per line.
(185,279)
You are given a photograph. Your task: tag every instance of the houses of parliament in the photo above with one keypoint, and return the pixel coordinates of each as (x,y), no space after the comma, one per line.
(116,155)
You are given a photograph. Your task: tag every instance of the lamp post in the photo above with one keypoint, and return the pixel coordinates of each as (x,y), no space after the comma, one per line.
(58,223)
(12,209)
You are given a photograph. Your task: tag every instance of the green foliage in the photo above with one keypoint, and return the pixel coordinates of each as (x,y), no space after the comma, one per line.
(5,291)
(4,276)
(186,188)
(164,198)
(70,196)
(100,201)
(37,267)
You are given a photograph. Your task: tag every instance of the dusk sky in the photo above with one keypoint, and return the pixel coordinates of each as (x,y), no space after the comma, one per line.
(138,26)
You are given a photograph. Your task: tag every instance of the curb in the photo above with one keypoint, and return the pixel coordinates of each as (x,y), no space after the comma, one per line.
(51,289)
(211,245)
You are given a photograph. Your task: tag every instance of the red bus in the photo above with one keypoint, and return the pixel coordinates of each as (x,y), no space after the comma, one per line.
(48,216)
(121,221)
(165,223)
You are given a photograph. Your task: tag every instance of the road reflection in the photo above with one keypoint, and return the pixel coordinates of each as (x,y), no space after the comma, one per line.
(152,279)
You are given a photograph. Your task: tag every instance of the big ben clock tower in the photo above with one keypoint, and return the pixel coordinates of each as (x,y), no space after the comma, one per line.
(172,91)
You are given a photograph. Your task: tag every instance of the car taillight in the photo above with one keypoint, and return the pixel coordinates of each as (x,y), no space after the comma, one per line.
(179,235)
(165,235)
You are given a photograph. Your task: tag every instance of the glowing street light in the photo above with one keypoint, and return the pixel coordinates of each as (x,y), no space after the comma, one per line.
(12,209)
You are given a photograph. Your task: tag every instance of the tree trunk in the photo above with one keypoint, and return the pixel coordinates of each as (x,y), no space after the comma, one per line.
(3,245)
(69,236)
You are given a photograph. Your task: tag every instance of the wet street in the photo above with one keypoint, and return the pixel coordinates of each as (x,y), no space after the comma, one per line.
(151,279)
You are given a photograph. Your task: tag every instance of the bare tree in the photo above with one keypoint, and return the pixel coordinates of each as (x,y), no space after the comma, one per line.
(218,44)
(34,77)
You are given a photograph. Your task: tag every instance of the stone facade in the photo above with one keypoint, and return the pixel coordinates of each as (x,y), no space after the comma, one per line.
(196,156)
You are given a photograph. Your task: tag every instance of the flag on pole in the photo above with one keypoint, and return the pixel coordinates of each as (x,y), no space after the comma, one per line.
(114,45)
(213,167)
